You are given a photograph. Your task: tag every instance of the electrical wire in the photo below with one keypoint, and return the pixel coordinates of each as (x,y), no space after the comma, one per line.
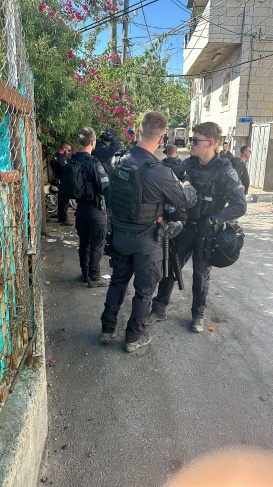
(144,16)
(248,32)
(199,75)
(176,30)
(114,17)
(185,24)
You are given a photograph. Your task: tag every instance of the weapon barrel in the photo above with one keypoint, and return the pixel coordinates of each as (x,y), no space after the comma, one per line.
(166,255)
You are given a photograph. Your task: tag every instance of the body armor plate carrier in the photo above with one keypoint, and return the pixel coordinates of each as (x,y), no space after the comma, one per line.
(209,195)
(126,195)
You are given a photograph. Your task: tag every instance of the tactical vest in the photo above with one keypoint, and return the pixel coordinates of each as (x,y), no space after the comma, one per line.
(125,195)
(209,195)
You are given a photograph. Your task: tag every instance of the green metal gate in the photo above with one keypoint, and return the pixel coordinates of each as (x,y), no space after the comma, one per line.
(20,205)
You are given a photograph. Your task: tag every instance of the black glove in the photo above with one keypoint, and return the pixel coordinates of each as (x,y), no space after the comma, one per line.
(206,229)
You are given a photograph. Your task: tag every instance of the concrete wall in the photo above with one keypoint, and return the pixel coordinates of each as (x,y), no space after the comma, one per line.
(23,424)
(221,34)
(251,85)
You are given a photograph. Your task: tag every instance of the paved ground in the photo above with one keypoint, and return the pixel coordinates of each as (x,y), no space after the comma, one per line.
(118,419)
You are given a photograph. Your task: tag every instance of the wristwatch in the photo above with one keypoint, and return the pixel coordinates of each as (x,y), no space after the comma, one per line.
(213,220)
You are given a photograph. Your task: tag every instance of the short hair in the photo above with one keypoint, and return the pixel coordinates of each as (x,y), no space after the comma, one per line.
(171,149)
(243,148)
(152,125)
(225,143)
(86,135)
(64,144)
(209,129)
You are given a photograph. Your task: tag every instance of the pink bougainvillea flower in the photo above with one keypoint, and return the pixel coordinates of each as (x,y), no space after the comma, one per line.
(85,7)
(70,54)
(42,6)
(52,14)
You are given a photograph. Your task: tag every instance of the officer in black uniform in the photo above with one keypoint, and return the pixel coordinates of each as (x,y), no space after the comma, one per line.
(57,163)
(139,186)
(216,183)
(91,218)
(106,148)
(178,167)
(245,153)
(174,162)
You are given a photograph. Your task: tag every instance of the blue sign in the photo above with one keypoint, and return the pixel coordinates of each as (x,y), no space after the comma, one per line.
(245,119)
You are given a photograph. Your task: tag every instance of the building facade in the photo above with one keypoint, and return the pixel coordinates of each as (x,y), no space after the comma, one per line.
(229,56)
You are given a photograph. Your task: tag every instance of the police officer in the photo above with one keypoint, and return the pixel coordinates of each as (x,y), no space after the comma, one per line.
(172,160)
(177,166)
(57,163)
(165,139)
(139,186)
(216,183)
(245,153)
(106,148)
(91,219)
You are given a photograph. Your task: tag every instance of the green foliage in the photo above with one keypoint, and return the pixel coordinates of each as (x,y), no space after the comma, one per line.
(178,99)
(152,90)
(74,88)
(57,96)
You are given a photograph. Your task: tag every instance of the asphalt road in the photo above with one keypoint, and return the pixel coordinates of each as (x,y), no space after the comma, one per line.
(131,420)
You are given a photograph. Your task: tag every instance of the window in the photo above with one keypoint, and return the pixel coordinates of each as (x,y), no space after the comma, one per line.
(208,98)
(225,91)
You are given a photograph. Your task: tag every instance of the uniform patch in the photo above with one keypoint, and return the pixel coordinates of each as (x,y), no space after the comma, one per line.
(104,180)
(101,169)
(233,174)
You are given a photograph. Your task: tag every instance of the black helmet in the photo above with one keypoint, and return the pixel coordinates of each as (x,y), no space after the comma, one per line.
(227,245)
(108,134)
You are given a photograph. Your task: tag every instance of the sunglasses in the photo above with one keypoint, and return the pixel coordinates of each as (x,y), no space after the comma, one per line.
(195,141)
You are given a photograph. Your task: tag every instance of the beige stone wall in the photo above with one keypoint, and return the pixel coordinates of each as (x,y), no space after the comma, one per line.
(256,79)
(251,85)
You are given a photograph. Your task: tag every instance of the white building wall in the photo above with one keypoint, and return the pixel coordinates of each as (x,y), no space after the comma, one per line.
(251,85)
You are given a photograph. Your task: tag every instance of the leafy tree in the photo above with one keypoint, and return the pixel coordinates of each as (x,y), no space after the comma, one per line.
(178,99)
(73,87)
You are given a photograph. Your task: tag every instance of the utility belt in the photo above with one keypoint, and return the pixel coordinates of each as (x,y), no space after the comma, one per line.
(205,206)
(135,233)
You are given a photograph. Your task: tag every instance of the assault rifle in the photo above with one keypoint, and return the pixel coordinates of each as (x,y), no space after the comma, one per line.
(166,232)
(175,264)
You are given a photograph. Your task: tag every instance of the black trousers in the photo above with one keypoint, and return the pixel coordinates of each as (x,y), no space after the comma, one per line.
(92,235)
(189,243)
(63,204)
(141,256)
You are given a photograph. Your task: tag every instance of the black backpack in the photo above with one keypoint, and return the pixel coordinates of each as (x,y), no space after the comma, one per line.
(73,180)
(227,245)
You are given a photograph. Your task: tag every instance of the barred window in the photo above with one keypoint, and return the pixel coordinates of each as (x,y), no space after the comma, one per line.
(225,90)
(208,98)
